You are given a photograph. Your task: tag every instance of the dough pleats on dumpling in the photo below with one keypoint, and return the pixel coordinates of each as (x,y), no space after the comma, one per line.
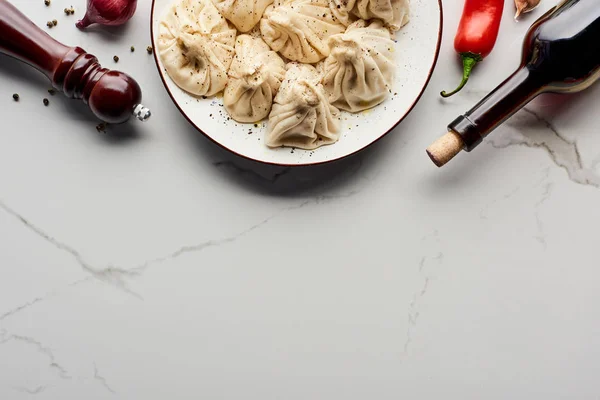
(195,44)
(394,13)
(299,29)
(244,14)
(254,78)
(360,71)
(301,116)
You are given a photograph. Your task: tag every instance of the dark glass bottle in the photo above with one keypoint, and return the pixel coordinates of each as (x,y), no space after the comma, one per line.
(561,54)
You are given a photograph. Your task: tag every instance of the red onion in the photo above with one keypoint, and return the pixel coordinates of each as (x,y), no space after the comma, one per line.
(108,12)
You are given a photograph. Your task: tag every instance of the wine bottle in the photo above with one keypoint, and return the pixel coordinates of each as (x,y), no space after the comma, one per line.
(561,54)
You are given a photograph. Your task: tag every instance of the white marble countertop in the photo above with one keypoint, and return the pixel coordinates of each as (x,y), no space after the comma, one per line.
(163,267)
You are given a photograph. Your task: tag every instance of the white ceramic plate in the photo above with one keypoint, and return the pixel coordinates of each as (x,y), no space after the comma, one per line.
(418,45)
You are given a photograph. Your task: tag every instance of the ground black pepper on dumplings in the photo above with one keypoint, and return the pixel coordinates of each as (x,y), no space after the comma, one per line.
(349,43)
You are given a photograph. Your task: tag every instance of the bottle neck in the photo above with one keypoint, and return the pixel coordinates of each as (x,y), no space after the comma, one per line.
(508,98)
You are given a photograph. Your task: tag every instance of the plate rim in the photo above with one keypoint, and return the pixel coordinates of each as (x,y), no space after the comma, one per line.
(279,164)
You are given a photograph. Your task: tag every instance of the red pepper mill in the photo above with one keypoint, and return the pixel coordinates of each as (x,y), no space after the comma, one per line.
(111,95)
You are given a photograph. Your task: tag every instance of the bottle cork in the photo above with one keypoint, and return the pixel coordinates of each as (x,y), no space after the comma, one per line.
(445,148)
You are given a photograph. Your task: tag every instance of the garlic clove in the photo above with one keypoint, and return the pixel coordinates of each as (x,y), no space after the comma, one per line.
(525,6)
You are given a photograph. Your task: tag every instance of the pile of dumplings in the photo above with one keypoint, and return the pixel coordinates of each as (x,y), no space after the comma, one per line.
(297,62)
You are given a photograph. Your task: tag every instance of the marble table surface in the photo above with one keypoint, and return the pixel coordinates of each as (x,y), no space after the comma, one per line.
(162,267)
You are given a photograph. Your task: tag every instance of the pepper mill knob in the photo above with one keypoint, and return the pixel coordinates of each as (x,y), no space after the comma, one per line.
(116,97)
(112,96)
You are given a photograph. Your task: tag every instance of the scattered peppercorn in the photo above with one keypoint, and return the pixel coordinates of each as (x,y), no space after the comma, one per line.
(49,24)
(67,11)
(149,49)
(46,102)
(101,127)
(132,49)
(116,58)
(47,2)
(54,22)
(15,97)
(52,92)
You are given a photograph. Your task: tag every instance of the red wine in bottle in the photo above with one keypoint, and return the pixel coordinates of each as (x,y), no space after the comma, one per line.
(561,54)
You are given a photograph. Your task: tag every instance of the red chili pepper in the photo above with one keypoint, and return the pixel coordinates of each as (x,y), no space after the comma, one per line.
(477,34)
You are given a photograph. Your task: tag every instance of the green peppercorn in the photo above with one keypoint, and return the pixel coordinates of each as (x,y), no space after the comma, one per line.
(52,92)
(132,49)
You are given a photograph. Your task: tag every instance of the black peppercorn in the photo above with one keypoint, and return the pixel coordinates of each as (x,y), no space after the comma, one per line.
(46,102)
(15,97)
(47,2)
(149,49)
(116,58)
(54,22)
(49,24)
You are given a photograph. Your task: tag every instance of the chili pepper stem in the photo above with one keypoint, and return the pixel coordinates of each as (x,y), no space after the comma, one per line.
(469,60)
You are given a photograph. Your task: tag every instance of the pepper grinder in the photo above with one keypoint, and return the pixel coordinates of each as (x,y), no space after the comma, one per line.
(111,95)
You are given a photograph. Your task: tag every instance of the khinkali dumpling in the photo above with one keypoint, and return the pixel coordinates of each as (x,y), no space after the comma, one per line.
(359,72)
(301,116)
(244,14)
(394,13)
(195,44)
(254,78)
(299,29)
